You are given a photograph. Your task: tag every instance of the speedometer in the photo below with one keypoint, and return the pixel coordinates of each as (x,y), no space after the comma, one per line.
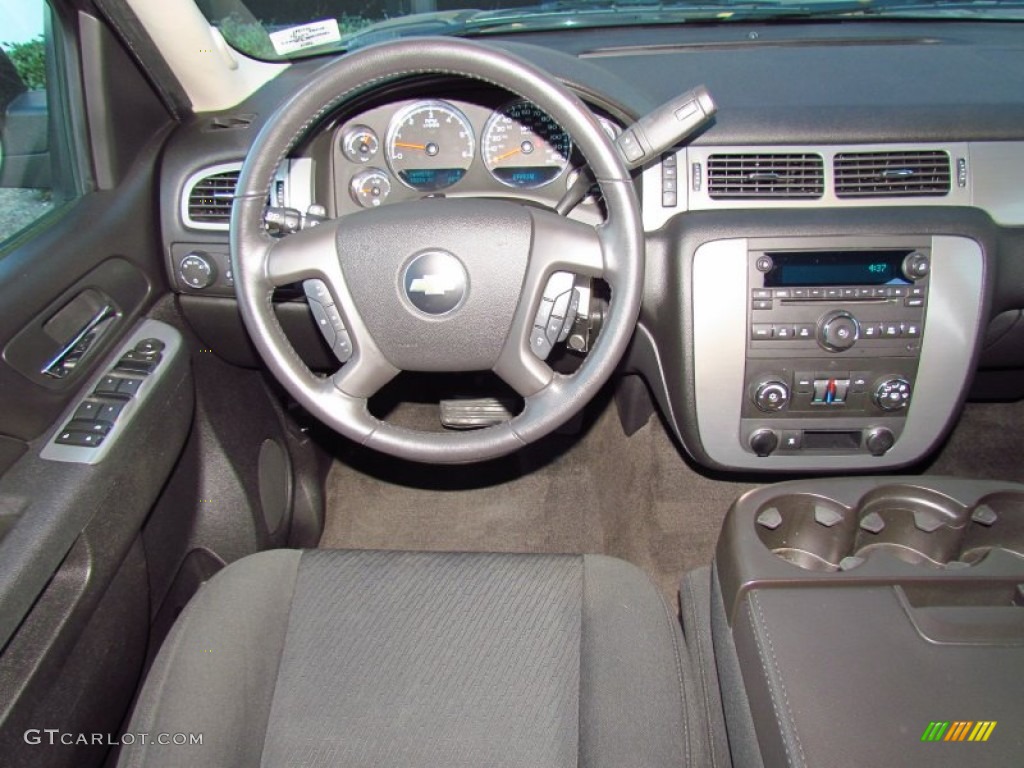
(430,145)
(524,147)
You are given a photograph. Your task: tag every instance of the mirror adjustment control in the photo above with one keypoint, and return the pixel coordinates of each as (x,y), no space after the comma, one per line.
(771,396)
(838,331)
(197,270)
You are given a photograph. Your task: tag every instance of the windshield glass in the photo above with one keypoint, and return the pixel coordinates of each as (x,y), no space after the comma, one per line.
(272,30)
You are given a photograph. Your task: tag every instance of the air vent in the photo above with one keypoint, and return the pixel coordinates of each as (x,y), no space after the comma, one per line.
(923,173)
(772,175)
(208,197)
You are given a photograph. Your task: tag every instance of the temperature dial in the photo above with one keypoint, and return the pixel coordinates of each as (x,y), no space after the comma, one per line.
(197,270)
(360,144)
(771,396)
(370,188)
(892,394)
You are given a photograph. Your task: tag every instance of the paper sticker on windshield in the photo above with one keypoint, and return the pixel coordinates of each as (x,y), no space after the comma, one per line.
(305,36)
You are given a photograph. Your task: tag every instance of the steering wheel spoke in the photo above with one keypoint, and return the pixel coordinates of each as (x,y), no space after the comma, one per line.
(305,255)
(364,375)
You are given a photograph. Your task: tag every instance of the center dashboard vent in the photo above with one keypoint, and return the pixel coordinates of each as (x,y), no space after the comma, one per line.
(769,176)
(208,197)
(922,173)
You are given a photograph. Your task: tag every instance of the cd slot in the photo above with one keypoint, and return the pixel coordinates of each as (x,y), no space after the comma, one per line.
(831,440)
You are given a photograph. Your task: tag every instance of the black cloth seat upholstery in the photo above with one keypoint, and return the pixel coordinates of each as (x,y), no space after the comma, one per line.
(357,658)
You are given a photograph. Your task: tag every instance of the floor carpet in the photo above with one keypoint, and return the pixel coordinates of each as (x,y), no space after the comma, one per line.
(637,497)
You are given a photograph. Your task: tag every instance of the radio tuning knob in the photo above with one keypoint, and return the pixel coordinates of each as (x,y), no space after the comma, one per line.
(838,331)
(916,266)
(771,396)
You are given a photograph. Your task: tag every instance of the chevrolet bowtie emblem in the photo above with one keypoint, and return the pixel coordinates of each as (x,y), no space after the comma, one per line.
(435,285)
(435,282)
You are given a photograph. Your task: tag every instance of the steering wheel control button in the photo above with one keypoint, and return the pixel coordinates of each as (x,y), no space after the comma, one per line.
(318,291)
(892,394)
(435,282)
(322,321)
(343,346)
(772,396)
(539,342)
(197,271)
(838,331)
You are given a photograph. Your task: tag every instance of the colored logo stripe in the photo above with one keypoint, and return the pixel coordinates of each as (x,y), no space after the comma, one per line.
(958,730)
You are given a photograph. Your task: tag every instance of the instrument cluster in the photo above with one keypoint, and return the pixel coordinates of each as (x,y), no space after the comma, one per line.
(414,148)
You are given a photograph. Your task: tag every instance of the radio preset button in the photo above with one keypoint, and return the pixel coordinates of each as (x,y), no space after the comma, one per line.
(800,293)
(833,293)
(783,293)
(816,293)
(880,293)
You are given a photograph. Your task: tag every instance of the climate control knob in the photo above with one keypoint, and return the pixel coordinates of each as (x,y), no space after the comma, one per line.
(892,394)
(771,396)
(838,331)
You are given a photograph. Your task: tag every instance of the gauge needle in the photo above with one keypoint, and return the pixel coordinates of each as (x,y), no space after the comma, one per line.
(410,146)
(511,152)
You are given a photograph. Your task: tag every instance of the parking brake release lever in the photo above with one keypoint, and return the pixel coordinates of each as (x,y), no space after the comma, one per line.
(653,133)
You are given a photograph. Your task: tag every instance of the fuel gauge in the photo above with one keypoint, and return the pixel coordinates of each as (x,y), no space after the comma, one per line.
(360,144)
(370,188)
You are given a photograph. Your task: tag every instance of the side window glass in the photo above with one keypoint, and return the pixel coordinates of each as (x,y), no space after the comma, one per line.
(30,176)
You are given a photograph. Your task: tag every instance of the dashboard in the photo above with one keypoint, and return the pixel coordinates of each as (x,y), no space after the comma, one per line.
(839,153)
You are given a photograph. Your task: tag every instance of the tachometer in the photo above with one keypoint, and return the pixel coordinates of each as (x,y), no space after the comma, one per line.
(430,145)
(524,147)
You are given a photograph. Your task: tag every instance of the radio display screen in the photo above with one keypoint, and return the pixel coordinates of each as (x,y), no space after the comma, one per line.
(813,268)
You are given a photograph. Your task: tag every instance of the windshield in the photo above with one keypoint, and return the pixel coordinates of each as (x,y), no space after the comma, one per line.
(272,30)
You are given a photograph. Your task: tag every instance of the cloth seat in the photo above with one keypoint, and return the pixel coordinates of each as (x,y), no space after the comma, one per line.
(361,658)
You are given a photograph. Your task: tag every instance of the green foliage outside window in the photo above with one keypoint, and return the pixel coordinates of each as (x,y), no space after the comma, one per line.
(29,59)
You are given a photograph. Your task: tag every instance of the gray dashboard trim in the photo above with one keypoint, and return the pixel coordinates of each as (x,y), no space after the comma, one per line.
(719,341)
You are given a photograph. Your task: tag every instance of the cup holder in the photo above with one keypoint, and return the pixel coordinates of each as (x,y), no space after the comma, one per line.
(811,532)
(996,523)
(915,525)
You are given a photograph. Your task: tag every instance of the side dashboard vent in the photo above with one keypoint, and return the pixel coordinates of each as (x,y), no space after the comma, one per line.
(743,176)
(208,197)
(923,173)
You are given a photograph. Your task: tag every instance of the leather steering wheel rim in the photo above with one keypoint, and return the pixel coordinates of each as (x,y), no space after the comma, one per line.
(612,251)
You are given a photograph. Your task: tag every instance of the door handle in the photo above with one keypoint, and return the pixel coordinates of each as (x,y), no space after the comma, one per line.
(67,358)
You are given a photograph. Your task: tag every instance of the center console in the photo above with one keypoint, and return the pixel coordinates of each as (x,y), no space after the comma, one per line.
(831,352)
(873,621)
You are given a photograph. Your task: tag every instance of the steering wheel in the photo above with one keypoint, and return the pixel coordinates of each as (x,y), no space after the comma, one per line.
(493,256)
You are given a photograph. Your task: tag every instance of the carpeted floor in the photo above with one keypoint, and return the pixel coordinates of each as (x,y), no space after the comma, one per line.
(633,497)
